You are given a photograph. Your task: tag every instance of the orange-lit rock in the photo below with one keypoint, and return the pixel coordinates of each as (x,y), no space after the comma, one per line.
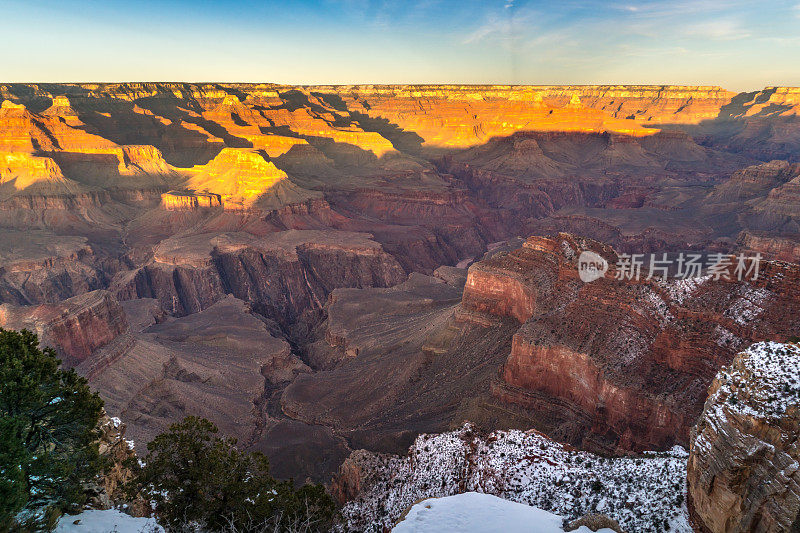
(21,171)
(188,201)
(178,196)
(240,177)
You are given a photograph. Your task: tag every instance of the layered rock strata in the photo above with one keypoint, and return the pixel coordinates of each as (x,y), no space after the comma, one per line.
(620,364)
(76,327)
(742,471)
(175,197)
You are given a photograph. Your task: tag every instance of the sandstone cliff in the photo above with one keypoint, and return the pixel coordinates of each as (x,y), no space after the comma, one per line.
(76,327)
(40,267)
(243,177)
(619,365)
(742,471)
(284,275)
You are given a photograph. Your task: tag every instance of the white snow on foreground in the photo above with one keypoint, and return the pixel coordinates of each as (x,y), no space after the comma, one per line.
(769,373)
(108,521)
(642,494)
(472,512)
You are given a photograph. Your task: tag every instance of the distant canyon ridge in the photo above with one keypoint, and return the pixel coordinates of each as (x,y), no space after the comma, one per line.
(319,269)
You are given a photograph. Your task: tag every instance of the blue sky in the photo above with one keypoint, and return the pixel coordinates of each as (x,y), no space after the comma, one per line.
(738,44)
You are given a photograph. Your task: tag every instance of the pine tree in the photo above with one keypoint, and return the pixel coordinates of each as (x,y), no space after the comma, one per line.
(200,479)
(48,431)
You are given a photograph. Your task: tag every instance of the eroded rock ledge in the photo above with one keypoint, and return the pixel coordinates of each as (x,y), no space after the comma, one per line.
(743,466)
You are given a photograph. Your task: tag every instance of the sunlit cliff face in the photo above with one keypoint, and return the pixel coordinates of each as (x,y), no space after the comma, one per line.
(224,139)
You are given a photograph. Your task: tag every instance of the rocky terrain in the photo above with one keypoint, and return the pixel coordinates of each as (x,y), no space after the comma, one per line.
(77,327)
(611,366)
(291,261)
(641,494)
(742,470)
(621,364)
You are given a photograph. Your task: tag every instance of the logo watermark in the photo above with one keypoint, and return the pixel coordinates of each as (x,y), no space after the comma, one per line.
(591,266)
(717,266)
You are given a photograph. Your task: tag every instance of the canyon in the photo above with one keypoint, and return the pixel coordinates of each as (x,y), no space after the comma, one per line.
(321,269)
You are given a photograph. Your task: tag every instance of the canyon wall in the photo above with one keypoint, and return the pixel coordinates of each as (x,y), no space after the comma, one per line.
(620,364)
(742,471)
(76,327)
(316,221)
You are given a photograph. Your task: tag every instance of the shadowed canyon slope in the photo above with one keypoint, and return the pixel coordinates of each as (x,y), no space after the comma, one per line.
(291,261)
(609,366)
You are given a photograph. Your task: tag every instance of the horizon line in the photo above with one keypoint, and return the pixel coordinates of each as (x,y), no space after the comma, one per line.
(396,84)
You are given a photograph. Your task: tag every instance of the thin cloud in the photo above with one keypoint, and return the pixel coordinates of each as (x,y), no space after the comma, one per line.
(509,25)
(718,30)
(490,28)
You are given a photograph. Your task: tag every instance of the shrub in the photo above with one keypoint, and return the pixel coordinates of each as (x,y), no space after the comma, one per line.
(198,479)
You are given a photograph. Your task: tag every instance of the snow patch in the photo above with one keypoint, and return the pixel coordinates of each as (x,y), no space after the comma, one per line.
(749,305)
(681,289)
(641,493)
(95,521)
(765,383)
(480,513)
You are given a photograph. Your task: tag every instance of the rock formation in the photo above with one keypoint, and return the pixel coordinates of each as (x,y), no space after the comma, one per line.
(189,201)
(612,365)
(76,327)
(742,471)
(108,491)
(330,211)
(641,494)
(284,275)
(215,364)
(620,364)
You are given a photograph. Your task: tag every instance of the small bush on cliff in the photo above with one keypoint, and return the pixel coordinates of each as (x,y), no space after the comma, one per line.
(48,433)
(198,479)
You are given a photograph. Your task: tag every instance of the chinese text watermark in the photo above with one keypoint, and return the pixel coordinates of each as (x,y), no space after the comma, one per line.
(717,266)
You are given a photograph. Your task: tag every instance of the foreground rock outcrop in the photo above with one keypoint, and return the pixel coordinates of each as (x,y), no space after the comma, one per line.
(117,453)
(743,465)
(640,494)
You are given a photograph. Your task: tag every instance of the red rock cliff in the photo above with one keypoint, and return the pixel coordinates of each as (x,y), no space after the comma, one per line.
(620,365)
(75,328)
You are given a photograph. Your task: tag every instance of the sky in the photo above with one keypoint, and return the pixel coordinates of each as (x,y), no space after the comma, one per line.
(741,45)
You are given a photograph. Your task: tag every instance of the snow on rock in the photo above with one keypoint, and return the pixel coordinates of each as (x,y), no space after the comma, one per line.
(769,374)
(681,289)
(106,521)
(642,494)
(748,305)
(743,470)
(480,513)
